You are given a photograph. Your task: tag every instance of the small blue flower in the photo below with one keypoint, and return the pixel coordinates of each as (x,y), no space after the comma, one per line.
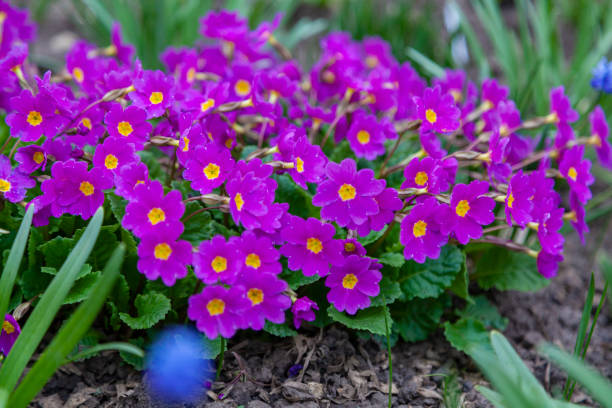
(602,76)
(177,367)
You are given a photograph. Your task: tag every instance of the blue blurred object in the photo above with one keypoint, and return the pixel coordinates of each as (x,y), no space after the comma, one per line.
(178,371)
(602,76)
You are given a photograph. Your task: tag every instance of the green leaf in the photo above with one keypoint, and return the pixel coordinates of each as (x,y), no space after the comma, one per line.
(68,336)
(152,308)
(82,288)
(212,348)
(508,270)
(467,334)
(371,237)
(371,319)
(392,259)
(9,273)
(117,205)
(432,277)
(56,250)
(416,319)
(296,279)
(299,200)
(197,227)
(485,312)
(461,284)
(50,302)
(85,270)
(132,359)
(114,346)
(389,291)
(280,330)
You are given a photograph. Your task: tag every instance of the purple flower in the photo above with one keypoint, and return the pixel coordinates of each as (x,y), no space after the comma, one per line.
(208,168)
(154,93)
(13,184)
(421,231)
(32,116)
(123,52)
(426,174)
(493,93)
(388,203)
(303,311)
(161,255)
(437,111)
(519,203)
(366,136)
(217,261)
(9,332)
(308,160)
(191,138)
(31,158)
(469,210)
(578,221)
(258,255)
(548,263)
(548,231)
(600,133)
(352,284)
(150,210)
(348,195)
(266,299)
(74,190)
(130,124)
(453,82)
(561,107)
(310,246)
(217,310)
(129,177)
(577,172)
(114,154)
(353,247)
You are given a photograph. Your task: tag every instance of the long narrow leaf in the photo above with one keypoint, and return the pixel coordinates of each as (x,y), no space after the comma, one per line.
(69,335)
(50,302)
(113,346)
(427,64)
(14,260)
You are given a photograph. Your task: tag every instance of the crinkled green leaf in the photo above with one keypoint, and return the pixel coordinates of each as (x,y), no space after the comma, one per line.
(152,308)
(508,270)
(461,283)
(416,319)
(485,312)
(85,270)
(393,259)
(280,330)
(296,279)
(117,205)
(56,250)
(299,200)
(467,334)
(371,319)
(82,288)
(389,290)
(371,237)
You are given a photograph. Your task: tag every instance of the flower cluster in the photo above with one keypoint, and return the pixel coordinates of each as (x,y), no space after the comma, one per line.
(229,119)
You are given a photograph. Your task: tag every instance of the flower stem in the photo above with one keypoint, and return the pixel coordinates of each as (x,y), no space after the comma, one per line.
(388,334)
(221,356)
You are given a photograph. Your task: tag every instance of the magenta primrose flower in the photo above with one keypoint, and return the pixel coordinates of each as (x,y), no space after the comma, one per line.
(130,176)
(550,238)
(353,247)
(218,261)
(208,167)
(421,231)
(257,254)
(310,246)
(9,332)
(266,299)
(427,174)
(493,93)
(353,283)
(161,255)
(33,116)
(548,263)
(578,220)
(154,93)
(437,111)
(308,160)
(218,310)
(388,203)
(31,158)
(366,136)
(151,210)
(519,204)
(130,124)
(577,172)
(600,133)
(469,210)
(114,154)
(561,107)
(348,195)
(303,311)
(123,52)
(13,184)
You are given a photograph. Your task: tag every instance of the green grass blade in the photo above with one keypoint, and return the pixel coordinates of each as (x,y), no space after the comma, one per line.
(427,64)
(597,386)
(475,45)
(114,346)
(100,11)
(493,397)
(69,335)
(50,302)
(7,280)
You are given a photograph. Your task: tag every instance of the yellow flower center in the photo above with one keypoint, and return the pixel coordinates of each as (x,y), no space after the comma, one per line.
(347,192)
(125,128)
(162,251)
(86,188)
(8,327)
(421,178)
(510,200)
(431,116)
(239,201)
(34,118)
(111,161)
(572,173)
(462,208)
(185,144)
(211,171)
(228,143)
(457,95)
(299,165)
(419,229)
(38,157)
(78,74)
(314,245)
(156,215)
(5,186)
(156,98)
(504,130)
(191,74)
(204,106)
(349,247)
(86,122)
(219,264)
(328,77)
(363,136)
(349,281)
(256,296)
(371,61)
(253,261)
(215,307)
(242,87)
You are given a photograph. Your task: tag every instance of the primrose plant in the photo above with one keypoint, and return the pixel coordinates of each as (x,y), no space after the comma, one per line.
(348,192)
